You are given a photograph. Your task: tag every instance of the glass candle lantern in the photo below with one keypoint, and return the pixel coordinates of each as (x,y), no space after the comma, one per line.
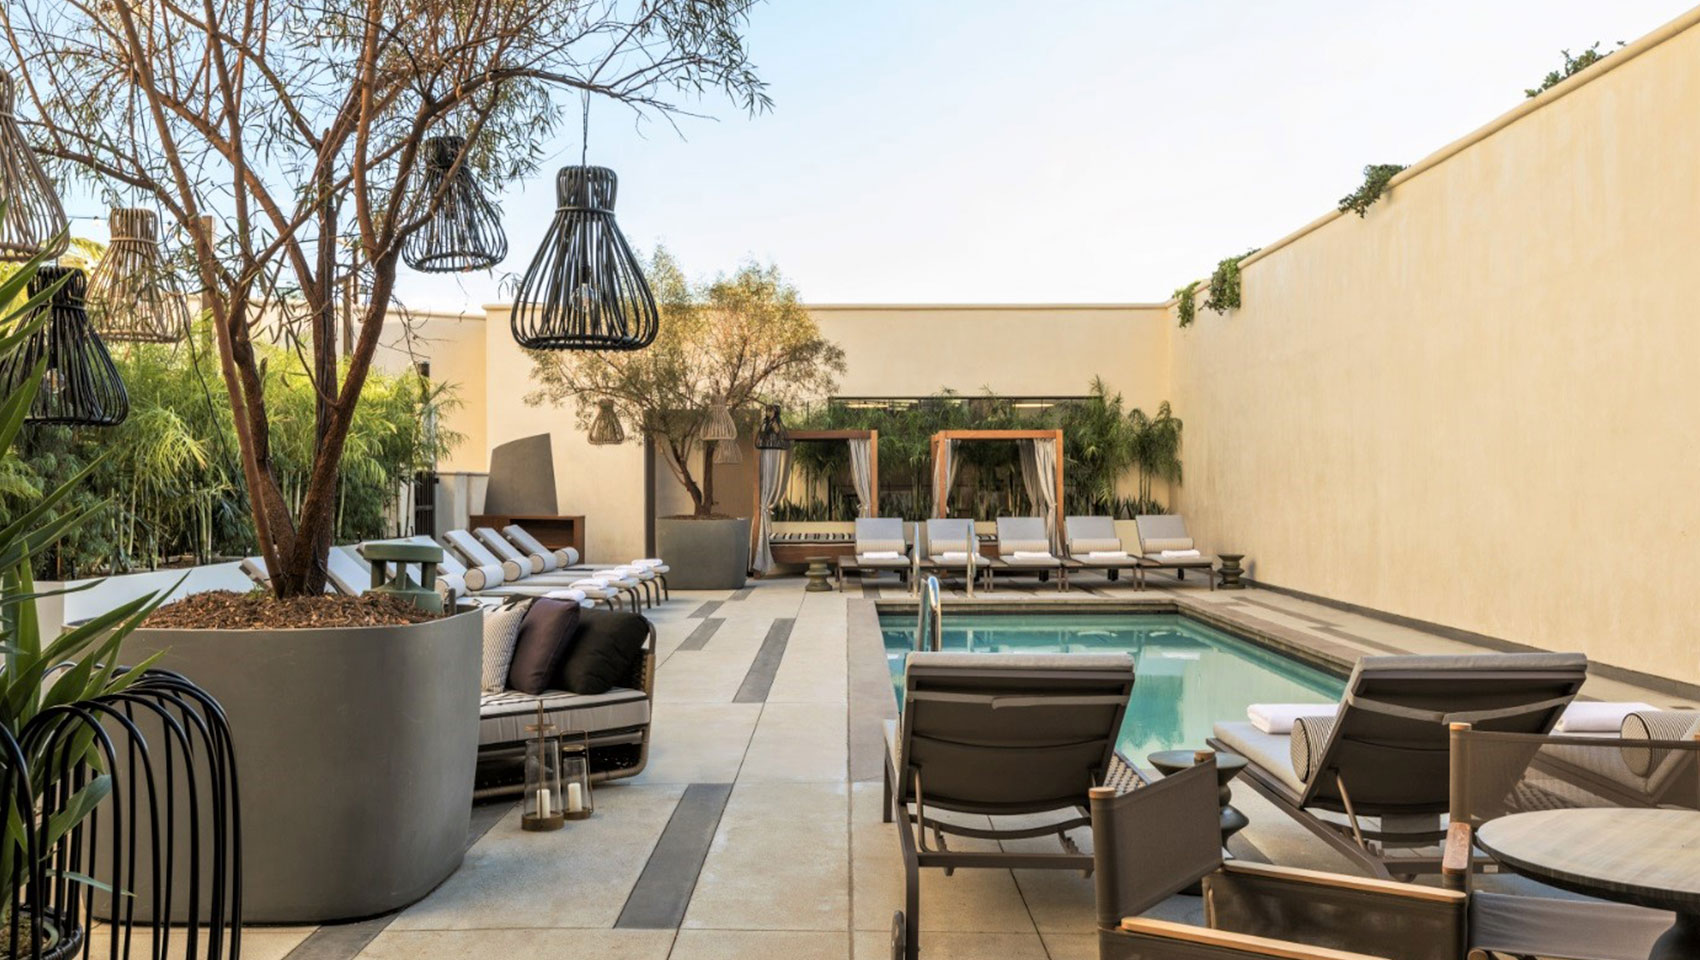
(575,779)
(544,799)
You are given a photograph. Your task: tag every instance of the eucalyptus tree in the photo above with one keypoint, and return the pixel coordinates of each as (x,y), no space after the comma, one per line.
(286,141)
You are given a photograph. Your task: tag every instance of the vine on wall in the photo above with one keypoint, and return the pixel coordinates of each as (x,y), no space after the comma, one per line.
(1225,284)
(1572,66)
(1376,178)
(1186,303)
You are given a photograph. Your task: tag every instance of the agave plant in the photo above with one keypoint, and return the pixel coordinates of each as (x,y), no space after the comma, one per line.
(53,774)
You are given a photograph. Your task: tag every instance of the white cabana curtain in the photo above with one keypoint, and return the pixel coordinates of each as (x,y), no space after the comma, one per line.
(775,475)
(942,481)
(862,475)
(1039,476)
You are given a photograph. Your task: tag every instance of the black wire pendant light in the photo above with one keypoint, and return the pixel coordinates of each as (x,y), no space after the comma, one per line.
(133,293)
(81,386)
(585,289)
(465,232)
(606,427)
(33,223)
(773,435)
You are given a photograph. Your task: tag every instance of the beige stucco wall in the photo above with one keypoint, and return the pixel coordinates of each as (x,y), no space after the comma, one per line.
(1480,405)
(454,346)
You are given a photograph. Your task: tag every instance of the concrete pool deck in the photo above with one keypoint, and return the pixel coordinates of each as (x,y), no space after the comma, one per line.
(755,830)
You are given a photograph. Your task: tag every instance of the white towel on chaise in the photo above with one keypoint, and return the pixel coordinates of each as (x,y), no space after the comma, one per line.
(1278,718)
(1179,554)
(1108,554)
(1596,716)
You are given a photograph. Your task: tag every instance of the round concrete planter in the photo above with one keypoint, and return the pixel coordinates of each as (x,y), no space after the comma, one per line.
(355,751)
(704,554)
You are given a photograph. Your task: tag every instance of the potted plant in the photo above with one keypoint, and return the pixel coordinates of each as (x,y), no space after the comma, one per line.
(726,346)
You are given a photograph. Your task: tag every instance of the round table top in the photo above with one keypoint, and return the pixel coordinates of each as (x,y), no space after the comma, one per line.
(1181,759)
(1644,856)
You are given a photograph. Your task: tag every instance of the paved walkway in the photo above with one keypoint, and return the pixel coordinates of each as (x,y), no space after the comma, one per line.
(755,830)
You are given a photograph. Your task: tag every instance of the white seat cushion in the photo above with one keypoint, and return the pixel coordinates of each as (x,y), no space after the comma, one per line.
(1270,751)
(503,716)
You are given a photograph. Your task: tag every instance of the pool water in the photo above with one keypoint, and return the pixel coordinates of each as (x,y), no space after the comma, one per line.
(1188,675)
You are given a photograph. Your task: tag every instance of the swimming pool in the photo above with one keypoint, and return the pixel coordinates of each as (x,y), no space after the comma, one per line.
(1188,676)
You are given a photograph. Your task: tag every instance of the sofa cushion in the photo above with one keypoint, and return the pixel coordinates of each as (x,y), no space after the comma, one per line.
(504,716)
(545,635)
(607,645)
(501,633)
(1310,738)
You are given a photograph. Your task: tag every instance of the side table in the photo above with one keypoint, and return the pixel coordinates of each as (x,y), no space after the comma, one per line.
(1228,766)
(1230,572)
(818,575)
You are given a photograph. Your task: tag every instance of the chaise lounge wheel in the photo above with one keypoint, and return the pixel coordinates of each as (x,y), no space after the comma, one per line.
(897,939)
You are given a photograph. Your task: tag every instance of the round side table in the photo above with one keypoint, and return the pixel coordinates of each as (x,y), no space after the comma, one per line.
(1231,571)
(818,575)
(1228,766)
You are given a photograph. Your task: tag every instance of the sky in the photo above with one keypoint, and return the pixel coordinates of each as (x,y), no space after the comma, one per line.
(1084,151)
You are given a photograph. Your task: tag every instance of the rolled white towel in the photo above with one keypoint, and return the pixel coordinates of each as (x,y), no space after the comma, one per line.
(1278,717)
(480,578)
(1032,555)
(594,588)
(512,570)
(1596,716)
(649,562)
(1180,554)
(543,562)
(579,596)
(954,556)
(1107,554)
(883,555)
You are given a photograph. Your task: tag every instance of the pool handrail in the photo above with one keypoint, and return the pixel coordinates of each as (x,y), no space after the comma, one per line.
(929,628)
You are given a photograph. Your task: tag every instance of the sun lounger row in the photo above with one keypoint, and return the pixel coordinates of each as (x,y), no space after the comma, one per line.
(1022,546)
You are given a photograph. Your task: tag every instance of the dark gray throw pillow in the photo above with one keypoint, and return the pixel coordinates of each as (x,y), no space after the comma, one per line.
(545,636)
(604,652)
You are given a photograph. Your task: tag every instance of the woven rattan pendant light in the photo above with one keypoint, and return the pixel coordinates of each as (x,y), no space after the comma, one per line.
(773,435)
(80,386)
(465,232)
(728,451)
(33,222)
(717,423)
(606,427)
(584,290)
(133,293)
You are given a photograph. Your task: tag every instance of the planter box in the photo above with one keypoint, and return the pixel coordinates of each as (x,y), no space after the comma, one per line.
(355,751)
(704,554)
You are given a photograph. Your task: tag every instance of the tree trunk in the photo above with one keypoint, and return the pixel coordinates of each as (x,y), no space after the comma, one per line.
(705,505)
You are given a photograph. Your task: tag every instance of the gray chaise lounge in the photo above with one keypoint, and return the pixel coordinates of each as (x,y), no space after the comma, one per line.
(876,538)
(954,547)
(1000,735)
(1094,545)
(1164,544)
(1023,546)
(1372,779)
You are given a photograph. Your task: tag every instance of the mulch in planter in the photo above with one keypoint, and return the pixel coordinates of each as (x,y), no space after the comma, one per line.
(258,610)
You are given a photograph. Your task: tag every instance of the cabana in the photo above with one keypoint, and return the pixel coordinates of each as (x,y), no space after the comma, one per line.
(775,473)
(1041,472)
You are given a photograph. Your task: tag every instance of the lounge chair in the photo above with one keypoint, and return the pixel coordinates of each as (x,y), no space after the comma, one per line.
(1093,544)
(1496,774)
(995,736)
(516,573)
(1371,780)
(566,558)
(879,546)
(953,546)
(1154,842)
(340,576)
(1164,544)
(486,582)
(1024,547)
(539,567)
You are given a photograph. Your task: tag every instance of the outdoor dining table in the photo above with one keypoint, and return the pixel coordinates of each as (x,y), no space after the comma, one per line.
(1649,857)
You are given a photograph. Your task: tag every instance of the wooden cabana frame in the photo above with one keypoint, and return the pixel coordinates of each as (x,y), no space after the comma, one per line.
(799,551)
(939,503)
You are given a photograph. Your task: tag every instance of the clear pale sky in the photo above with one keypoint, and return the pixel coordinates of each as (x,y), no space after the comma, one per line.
(1083,151)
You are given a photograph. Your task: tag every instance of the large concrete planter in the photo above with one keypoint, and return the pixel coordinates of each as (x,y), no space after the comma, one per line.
(704,554)
(355,751)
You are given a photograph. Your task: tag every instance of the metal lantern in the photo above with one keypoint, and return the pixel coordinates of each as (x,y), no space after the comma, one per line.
(584,290)
(606,427)
(773,435)
(728,451)
(575,778)
(464,232)
(133,293)
(717,423)
(544,800)
(80,386)
(33,223)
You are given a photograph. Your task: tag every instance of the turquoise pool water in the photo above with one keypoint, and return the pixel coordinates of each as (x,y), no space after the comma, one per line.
(1188,675)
